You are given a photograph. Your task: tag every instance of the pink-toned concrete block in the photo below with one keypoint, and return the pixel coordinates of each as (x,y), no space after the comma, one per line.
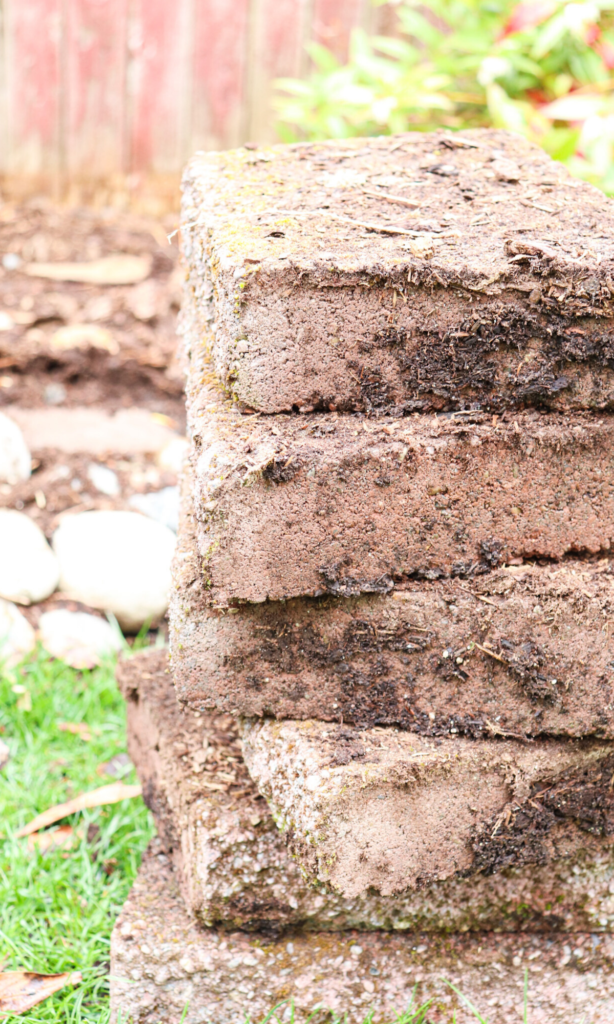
(290,506)
(520,651)
(420,272)
(164,966)
(234,867)
(388,810)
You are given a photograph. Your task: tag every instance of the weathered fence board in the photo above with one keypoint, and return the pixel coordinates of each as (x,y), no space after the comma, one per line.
(93,88)
(32,84)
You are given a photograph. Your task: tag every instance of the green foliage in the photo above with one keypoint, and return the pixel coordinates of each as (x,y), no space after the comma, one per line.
(542,68)
(57,908)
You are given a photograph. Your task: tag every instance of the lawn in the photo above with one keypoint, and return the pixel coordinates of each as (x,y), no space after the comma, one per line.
(57,908)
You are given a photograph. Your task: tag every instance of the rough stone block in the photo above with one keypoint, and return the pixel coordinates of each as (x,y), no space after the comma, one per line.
(516,652)
(235,870)
(387,810)
(290,506)
(162,962)
(424,272)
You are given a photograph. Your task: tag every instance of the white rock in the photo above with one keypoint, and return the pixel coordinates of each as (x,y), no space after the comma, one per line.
(103,479)
(79,639)
(29,570)
(163,506)
(16,636)
(171,456)
(4,754)
(117,561)
(15,462)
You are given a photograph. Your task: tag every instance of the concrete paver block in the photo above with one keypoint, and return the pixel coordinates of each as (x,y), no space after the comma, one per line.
(235,870)
(520,651)
(400,274)
(291,506)
(390,810)
(163,965)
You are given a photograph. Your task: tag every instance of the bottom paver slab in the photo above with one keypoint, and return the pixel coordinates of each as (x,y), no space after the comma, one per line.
(164,966)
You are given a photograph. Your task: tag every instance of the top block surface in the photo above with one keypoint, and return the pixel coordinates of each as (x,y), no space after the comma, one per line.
(408,273)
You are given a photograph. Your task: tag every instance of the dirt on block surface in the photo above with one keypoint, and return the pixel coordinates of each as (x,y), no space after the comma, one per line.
(236,872)
(164,965)
(412,273)
(289,506)
(519,651)
(389,810)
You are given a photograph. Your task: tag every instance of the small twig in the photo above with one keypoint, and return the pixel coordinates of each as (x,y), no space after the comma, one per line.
(496,731)
(536,206)
(492,653)
(393,199)
(478,597)
(383,229)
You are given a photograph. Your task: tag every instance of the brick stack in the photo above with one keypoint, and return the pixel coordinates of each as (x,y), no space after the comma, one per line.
(390,624)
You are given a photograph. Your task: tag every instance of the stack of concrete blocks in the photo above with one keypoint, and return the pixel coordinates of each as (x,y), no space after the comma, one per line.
(391,759)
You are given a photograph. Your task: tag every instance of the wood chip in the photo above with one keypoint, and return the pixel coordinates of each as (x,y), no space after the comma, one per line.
(117,269)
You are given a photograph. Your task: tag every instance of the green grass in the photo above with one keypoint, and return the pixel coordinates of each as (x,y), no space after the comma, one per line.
(57,909)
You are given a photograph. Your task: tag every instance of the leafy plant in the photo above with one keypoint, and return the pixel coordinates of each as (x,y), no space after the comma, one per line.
(543,68)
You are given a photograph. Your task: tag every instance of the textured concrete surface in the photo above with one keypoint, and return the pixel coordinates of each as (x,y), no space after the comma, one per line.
(420,273)
(519,651)
(290,506)
(162,962)
(235,870)
(389,810)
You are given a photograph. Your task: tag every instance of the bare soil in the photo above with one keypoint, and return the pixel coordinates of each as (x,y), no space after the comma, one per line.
(141,318)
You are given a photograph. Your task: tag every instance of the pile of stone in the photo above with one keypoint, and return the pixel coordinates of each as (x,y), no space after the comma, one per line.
(391,759)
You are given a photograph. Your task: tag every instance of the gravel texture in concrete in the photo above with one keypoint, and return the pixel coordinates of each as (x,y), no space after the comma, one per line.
(390,810)
(162,962)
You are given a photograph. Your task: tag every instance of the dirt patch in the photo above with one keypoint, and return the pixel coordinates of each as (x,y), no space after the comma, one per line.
(581,798)
(139,320)
(60,483)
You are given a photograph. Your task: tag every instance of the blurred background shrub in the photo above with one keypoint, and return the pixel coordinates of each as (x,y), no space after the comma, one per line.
(544,69)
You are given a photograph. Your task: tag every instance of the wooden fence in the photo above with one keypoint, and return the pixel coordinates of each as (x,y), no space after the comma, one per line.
(95,88)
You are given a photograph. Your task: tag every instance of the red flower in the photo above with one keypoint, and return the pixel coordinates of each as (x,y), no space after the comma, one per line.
(528,15)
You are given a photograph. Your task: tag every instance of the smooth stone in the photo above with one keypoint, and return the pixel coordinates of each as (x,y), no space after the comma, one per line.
(29,570)
(79,639)
(163,506)
(119,562)
(104,479)
(15,461)
(16,638)
(172,455)
(92,430)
